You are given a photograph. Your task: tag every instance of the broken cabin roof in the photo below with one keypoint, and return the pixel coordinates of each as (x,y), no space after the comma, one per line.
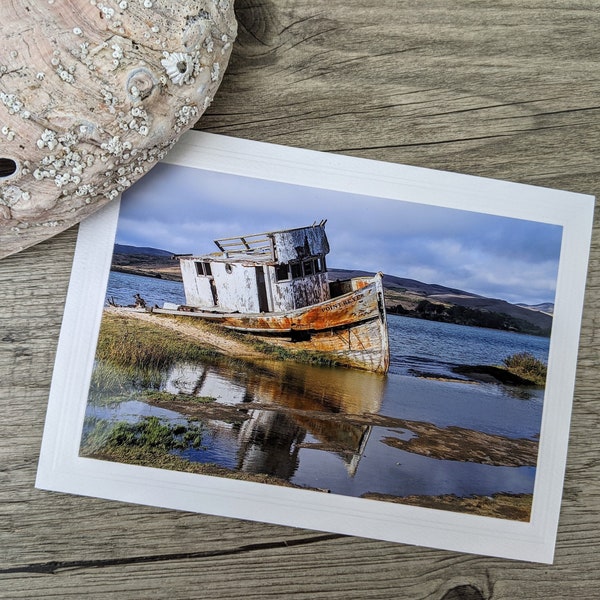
(270,247)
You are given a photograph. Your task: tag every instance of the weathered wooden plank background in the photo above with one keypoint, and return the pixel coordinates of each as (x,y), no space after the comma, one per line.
(503,89)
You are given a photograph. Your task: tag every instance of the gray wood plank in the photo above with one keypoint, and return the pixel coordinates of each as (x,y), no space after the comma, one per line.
(505,90)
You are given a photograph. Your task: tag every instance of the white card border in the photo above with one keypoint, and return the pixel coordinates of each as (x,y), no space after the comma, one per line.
(61,469)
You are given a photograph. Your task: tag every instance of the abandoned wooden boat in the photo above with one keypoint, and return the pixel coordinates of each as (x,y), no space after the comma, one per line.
(276,285)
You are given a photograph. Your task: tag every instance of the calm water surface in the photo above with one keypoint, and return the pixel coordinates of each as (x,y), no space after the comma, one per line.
(123,286)
(303,441)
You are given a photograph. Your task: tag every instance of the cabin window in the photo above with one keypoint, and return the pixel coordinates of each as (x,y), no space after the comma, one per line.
(309,267)
(306,268)
(203,269)
(296,270)
(321,268)
(282,272)
(228,268)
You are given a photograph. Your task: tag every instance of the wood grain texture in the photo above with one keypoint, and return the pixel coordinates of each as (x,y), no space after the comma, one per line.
(500,89)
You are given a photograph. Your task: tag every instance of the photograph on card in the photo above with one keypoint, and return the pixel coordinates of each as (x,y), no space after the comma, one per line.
(298,336)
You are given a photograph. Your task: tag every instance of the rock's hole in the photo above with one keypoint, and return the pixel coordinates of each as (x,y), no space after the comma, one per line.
(8,167)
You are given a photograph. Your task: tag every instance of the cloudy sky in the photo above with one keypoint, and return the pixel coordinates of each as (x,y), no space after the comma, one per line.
(183,210)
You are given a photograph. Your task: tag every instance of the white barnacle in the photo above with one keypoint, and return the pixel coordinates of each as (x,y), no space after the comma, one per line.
(12,103)
(47,140)
(66,76)
(117,51)
(84,190)
(108,12)
(61,179)
(113,146)
(216,69)
(179,67)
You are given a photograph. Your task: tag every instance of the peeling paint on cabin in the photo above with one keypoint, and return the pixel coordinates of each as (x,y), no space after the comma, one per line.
(297,244)
(270,272)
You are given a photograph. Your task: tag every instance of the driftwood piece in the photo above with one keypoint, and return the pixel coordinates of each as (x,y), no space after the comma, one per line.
(92,94)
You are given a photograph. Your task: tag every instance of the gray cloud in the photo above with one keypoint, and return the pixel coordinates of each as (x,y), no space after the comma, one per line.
(182,210)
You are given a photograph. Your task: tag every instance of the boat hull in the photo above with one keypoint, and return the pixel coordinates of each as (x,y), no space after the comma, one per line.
(350,329)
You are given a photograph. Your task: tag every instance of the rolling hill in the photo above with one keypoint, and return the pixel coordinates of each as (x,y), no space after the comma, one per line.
(150,262)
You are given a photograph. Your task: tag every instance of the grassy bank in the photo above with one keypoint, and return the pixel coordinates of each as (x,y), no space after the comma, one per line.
(130,342)
(521,369)
(271,351)
(155,342)
(525,365)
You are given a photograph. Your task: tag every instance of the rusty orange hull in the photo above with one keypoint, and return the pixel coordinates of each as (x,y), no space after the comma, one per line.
(350,329)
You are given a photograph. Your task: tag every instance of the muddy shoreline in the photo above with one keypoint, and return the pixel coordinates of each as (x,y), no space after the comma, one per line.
(516,507)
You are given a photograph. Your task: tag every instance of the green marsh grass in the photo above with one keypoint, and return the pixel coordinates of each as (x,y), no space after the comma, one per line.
(168,397)
(150,433)
(528,367)
(128,342)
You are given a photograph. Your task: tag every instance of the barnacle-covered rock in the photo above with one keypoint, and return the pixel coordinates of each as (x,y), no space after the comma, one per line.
(92,94)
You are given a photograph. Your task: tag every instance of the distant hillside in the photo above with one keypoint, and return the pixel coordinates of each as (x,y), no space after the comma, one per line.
(150,262)
(140,251)
(439,303)
(402,296)
(545,307)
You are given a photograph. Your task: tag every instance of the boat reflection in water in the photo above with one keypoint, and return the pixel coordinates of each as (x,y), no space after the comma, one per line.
(285,407)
